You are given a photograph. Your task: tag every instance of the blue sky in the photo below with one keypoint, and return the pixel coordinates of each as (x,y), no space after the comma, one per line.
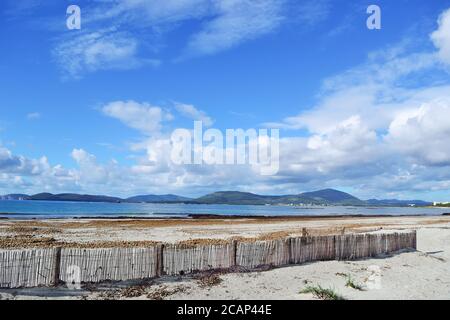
(360,110)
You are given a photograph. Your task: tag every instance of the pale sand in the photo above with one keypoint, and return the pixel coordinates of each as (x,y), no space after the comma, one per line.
(423,274)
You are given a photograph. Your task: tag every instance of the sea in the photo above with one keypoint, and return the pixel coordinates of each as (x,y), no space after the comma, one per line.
(12,209)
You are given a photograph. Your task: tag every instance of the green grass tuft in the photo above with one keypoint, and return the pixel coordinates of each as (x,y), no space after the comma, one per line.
(352,284)
(322,293)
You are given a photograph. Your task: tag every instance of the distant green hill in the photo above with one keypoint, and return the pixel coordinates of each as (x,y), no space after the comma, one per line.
(321,197)
(331,196)
(234,197)
(158,198)
(96,198)
(73,197)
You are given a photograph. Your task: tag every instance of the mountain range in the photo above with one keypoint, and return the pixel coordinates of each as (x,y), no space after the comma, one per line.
(320,197)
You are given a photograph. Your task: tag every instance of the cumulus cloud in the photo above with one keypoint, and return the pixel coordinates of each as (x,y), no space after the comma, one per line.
(376,127)
(90,172)
(7,160)
(441,37)
(340,153)
(423,133)
(349,135)
(140,116)
(22,165)
(375,90)
(35,175)
(24,175)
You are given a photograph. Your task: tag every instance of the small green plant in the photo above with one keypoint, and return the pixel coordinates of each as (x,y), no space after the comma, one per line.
(322,293)
(352,284)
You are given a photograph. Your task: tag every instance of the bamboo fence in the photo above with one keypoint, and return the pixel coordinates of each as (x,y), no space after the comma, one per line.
(50,267)
(115,264)
(180,259)
(28,268)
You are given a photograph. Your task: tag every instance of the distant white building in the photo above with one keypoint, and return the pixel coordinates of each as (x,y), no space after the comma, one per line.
(438,203)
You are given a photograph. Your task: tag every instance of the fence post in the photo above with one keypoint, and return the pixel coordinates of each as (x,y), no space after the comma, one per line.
(159,260)
(233,253)
(57,266)
(288,248)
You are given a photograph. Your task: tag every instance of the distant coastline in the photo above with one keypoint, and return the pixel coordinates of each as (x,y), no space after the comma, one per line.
(325,197)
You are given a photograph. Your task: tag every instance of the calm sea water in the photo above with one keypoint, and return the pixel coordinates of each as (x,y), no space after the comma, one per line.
(53,209)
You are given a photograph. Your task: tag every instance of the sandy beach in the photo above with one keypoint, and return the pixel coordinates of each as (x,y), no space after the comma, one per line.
(421,274)
(135,232)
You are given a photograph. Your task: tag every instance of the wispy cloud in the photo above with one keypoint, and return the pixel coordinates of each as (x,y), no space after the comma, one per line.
(33,116)
(310,12)
(193,113)
(236,21)
(102,50)
(14,8)
(223,24)
(441,37)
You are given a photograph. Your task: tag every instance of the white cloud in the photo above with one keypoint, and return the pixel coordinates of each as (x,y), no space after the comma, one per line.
(375,90)
(193,113)
(82,157)
(378,127)
(141,116)
(341,152)
(21,174)
(441,37)
(423,133)
(225,23)
(102,50)
(90,172)
(349,135)
(22,165)
(7,160)
(235,22)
